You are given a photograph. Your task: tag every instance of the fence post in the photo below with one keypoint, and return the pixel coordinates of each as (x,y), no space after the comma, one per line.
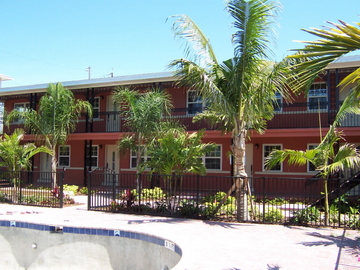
(62,188)
(263,213)
(113,186)
(89,191)
(19,187)
(197,194)
(140,190)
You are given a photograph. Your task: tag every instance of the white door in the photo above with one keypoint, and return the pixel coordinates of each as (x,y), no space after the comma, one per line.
(111,162)
(112,116)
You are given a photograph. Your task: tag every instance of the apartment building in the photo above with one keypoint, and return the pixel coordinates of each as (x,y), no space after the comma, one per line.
(298,125)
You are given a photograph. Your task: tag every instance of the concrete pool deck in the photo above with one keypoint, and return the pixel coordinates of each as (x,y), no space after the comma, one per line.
(211,245)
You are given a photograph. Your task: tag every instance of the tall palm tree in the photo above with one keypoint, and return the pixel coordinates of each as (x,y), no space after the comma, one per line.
(335,41)
(143,113)
(54,120)
(239,92)
(325,157)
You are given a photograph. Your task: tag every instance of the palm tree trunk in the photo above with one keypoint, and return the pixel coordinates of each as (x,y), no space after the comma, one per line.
(238,150)
(53,168)
(326,202)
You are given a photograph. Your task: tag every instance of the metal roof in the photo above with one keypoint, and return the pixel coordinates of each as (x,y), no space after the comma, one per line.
(99,82)
(347,61)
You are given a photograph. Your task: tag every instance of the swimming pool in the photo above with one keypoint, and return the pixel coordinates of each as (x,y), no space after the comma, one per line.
(25,245)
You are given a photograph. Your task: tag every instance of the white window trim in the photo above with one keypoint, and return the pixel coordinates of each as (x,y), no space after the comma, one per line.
(220,157)
(319,96)
(69,156)
(22,103)
(263,157)
(187,101)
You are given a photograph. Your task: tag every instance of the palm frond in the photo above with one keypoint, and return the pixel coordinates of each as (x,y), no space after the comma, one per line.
(196,43)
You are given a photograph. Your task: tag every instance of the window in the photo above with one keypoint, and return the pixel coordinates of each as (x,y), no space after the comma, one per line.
(96,107)
(310,166)
(278,102)
(94,156)
(268,148)
(133,159)
(21,107)
(317,96)
(194,102)
(212,160)
(64,156)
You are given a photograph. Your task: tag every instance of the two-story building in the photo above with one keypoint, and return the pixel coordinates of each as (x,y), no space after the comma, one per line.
(298,125)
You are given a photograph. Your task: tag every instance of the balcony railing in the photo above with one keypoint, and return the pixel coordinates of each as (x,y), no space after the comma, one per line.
(286,116)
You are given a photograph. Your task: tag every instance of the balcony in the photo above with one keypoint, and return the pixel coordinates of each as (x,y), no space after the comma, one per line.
(290,116)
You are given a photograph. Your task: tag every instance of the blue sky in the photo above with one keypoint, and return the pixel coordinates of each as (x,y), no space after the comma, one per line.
(46,41)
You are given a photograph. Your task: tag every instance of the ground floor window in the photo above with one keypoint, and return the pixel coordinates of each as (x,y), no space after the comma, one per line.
(64,155)
(94,156)
(212,160)
(310,166)
(267,149)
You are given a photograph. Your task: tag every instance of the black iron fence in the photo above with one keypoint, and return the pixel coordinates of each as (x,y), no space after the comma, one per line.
(268,200)
(32,188)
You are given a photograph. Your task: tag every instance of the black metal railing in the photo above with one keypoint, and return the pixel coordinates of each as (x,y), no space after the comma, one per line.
(32,188)
(269,200)
(297,115)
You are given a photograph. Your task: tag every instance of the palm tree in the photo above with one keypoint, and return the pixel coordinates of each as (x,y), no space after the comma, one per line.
(17,157)
(143,113)
(55,119)
(175,152)
(325,157)
(239,92)
(335,41)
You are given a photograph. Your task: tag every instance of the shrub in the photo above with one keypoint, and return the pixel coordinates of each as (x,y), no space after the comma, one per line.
(217,198)
(149,194)
(304,216)
(277,201)
(188,208)
(273,215)
(71,188)
(3,197)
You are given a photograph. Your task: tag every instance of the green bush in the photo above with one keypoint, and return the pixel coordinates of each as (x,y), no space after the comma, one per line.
(217,198)
(84,191)
(273,215)
(306,215)
(71,188)
(3,197)
(277,201)
(188,208)
(150,194)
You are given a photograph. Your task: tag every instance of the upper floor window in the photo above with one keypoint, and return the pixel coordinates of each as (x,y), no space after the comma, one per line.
(64,156)
(96,107)
(21,107)
(195,102)
(267,149)
(212,160)
(278,102)
(317,96)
